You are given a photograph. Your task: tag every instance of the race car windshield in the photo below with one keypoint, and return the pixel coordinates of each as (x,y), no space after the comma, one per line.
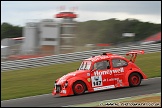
(85,65)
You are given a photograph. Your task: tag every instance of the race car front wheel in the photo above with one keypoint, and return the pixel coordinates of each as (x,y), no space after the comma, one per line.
(79,87)
(134,79)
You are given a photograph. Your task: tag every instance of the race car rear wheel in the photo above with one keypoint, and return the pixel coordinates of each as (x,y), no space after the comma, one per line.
(134,79)
(79,87)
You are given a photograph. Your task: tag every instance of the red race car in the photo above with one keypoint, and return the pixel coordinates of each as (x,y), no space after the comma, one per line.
(101,72)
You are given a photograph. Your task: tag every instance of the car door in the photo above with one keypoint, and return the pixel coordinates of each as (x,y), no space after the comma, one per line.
(100,75)
(119,67)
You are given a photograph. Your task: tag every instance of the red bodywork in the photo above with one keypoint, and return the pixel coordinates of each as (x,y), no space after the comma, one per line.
(119,72)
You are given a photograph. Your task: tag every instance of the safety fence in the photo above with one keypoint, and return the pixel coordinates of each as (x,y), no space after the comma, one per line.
(71,57)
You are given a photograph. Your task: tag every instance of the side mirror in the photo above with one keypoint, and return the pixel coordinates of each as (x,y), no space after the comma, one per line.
(108,67)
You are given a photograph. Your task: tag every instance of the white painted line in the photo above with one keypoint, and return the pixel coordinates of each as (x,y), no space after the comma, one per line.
(154,77)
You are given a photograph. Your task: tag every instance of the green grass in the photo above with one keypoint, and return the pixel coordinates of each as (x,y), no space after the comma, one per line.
(150,64)
(40,80)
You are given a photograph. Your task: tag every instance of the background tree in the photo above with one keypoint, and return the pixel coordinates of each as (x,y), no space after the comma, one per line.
(110,31)
(10,31)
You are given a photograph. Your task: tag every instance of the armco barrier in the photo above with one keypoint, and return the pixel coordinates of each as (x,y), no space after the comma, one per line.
(71,57)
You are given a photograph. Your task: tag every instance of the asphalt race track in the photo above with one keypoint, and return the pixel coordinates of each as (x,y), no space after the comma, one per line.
(149,86)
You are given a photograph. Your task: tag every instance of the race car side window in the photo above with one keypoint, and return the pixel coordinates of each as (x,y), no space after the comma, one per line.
(119,63)
(102,65)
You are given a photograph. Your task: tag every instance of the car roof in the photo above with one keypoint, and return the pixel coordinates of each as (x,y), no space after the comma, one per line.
(104,56)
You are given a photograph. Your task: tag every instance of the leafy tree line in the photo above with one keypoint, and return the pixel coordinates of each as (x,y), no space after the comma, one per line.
(110,31)
(10,31)
(105,31)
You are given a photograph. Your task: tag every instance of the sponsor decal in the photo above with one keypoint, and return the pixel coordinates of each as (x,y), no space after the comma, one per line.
(104,87)
(103,57)
(119,83)
(113,79)
(99,58)
(120,70)
(105,79)
(72,74)
(63,91)
(63,78)
(96,81)
(88,79)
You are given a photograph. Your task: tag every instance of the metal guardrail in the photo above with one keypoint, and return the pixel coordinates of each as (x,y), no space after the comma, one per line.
(71,57)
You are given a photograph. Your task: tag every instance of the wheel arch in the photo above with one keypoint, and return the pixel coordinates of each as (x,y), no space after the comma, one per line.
(135,73)
(131,72)
(80,81)
(73,80)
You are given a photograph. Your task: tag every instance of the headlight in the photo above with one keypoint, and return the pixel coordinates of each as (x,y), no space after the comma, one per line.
(66,84)
(55,83)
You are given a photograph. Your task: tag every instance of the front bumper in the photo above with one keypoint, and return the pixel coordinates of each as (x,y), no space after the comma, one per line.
(62,91)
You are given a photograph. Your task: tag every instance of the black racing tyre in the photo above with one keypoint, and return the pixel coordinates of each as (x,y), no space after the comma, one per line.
(134,80)
(79,87)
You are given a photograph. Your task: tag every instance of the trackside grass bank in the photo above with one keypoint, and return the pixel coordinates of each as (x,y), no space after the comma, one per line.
(40,80)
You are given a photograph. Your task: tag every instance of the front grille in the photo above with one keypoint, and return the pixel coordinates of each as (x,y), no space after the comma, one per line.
(58,88)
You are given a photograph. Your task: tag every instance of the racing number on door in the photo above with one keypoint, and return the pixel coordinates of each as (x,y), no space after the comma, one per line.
(96,81)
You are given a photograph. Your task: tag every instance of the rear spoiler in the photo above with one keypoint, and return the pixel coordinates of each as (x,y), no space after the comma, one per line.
(134,54)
